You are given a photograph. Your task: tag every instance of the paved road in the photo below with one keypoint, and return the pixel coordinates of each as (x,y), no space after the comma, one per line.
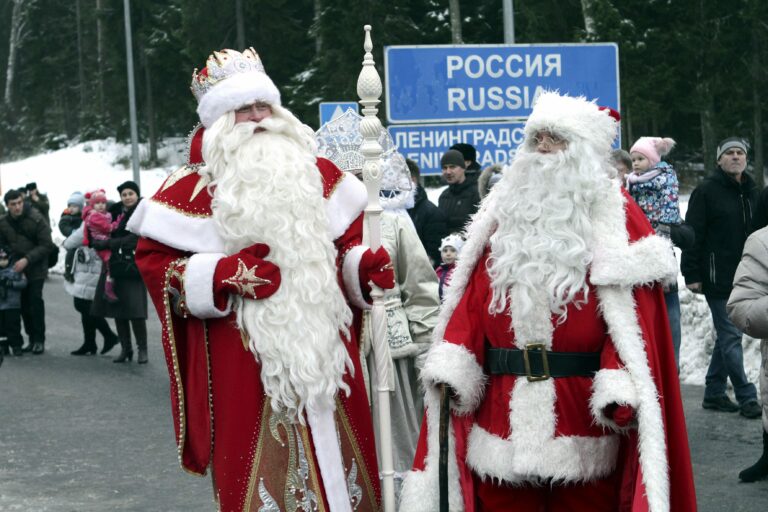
(81,434)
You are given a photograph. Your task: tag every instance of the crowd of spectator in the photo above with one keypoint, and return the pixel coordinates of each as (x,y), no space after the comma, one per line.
(724,210)
(99,270)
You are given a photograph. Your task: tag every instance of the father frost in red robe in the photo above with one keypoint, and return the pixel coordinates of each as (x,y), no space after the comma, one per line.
(559,267)
(251,253)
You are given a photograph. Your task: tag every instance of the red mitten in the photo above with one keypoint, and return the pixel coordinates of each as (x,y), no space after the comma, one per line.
(376,267)
(621,415)
(247,274)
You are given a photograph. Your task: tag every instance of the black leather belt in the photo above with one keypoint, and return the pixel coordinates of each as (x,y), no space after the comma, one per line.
(537,363)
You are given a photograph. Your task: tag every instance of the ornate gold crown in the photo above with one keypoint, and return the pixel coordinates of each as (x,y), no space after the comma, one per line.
(220,66)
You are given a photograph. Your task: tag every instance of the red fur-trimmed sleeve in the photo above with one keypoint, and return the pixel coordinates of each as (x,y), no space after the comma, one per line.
(458,360)
(186,354)
(349,253)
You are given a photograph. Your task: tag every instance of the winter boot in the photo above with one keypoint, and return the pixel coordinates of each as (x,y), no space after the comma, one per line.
(759,470)
(109,342)
(87,348)
(142,357)
(126,352)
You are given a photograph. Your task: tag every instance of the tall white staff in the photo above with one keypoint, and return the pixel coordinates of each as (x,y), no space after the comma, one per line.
(369,90)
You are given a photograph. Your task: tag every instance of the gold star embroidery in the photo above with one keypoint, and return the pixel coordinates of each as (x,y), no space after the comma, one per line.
(246,280)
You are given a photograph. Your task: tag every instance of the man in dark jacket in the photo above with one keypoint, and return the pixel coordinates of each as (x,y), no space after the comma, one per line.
(720,212)
(28,236)
(461,199)
(38,201)
(469,153)
(427,218)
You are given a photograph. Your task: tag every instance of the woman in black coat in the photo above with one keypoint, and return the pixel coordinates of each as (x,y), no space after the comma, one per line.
(130,310)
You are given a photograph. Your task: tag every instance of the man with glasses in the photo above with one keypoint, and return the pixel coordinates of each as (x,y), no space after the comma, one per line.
(553,341)
(720,213)
(252,255)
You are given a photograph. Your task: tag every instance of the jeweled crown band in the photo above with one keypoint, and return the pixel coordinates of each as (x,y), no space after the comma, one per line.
(222,65)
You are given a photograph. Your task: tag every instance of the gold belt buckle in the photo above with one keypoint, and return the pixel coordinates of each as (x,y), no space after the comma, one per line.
(544,362)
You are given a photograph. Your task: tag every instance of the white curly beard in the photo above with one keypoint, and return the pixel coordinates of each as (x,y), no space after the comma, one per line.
(543,242)
(267,189)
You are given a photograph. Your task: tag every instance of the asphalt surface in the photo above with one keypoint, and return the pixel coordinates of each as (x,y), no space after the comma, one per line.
(81,434)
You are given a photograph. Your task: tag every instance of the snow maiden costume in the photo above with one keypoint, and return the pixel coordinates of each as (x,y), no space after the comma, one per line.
(412,304)
(253,261)
(558,268)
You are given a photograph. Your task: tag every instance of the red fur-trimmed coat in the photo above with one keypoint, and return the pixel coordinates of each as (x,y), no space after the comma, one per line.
(513,431)
(222,417)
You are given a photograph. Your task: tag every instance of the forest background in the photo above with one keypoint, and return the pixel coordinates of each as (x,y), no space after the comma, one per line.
(693,70)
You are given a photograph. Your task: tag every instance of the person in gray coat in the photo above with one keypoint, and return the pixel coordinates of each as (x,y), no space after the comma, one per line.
(85,271)
(748,309)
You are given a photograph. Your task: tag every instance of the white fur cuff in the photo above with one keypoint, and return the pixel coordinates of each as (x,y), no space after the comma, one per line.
(643,262)
(187,233)
(454,365)
(350,270)
(198,286)
(609,387)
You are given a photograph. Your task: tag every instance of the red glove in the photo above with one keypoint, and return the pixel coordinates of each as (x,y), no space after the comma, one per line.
(247,274)
(376,267)
(621,415)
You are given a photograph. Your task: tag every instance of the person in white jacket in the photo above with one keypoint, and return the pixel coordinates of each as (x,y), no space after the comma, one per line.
(748,310)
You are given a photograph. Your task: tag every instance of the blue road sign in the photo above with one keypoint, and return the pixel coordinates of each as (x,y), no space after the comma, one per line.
(330,109)
(491,82)
(496,143)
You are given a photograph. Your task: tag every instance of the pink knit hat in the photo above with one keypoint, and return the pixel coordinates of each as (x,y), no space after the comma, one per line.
(653,148)
(96,196)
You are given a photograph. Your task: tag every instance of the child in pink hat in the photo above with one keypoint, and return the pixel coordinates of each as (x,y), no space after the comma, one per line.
(653,185)
(99,226)
(653,182)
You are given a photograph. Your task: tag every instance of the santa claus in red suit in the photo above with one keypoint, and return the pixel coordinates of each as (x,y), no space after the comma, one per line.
(252,256)
(554,341)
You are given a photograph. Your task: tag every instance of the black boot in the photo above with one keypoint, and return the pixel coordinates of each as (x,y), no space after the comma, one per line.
(142,357)
(38,348)
(759,470)
(126,350)
(87,348)
(109,342)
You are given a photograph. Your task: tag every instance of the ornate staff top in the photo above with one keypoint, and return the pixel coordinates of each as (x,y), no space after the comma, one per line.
(369,89)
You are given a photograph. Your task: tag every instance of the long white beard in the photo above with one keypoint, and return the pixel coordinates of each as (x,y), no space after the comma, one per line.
(266,188)
(544,229)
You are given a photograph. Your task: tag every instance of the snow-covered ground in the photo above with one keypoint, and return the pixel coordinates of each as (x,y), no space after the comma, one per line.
(102,164)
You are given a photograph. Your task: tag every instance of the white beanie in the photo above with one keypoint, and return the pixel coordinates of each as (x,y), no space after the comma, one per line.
(452,240)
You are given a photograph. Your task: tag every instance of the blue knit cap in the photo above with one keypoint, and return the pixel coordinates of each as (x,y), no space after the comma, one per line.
(77,199)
